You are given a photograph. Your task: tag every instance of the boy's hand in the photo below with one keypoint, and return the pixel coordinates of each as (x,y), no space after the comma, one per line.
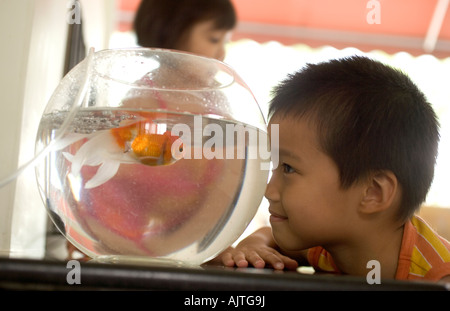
(257,250)
(256,256)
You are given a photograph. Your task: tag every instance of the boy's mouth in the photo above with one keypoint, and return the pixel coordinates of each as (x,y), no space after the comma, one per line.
(276,217)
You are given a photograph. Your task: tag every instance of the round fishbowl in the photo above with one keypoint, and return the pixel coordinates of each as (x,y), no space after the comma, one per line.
(156,156)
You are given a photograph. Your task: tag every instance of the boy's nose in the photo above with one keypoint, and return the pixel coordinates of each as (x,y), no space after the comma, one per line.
(272,193)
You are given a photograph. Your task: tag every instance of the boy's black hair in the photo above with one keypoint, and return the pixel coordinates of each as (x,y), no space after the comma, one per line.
(163,23)
(369,117)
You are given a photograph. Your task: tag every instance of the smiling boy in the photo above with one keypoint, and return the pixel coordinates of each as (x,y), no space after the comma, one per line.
(357,147)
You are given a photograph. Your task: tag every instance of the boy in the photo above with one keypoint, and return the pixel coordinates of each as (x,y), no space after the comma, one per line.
(357,147)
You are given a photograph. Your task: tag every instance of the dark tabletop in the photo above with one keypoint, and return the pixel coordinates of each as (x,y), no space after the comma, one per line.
(25,274)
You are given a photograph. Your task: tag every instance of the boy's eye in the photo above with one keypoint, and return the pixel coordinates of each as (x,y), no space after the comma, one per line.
(287,169)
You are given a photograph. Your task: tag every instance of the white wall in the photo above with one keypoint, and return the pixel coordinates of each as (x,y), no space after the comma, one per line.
(33,35)
(98,22)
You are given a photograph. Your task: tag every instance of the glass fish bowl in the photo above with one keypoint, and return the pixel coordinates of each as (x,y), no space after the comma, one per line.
(153,156)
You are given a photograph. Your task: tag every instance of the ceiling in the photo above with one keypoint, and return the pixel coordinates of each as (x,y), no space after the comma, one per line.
(414,26)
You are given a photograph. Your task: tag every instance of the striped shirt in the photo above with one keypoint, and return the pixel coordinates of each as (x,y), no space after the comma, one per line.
(424,255)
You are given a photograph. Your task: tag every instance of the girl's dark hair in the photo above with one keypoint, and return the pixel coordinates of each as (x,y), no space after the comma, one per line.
(369,117)
(162,23)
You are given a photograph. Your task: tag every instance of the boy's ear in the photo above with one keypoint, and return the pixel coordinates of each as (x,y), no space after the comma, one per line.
(380,192)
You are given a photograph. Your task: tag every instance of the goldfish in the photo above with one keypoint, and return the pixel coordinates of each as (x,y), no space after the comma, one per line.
(134,141)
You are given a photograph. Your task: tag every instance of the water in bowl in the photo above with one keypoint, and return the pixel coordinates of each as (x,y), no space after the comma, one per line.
(116,201)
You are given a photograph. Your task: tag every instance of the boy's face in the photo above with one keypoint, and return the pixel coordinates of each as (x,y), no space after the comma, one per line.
(307,205)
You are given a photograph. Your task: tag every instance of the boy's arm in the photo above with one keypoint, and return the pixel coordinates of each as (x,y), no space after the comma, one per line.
(259,250)
(446,280)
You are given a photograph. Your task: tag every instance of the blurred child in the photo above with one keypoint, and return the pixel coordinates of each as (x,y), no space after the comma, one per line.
(201,27)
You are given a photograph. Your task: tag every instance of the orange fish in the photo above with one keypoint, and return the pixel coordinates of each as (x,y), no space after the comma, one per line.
(136,141)
(149,148)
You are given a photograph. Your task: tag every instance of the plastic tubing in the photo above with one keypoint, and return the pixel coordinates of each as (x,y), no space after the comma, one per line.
(60,132)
